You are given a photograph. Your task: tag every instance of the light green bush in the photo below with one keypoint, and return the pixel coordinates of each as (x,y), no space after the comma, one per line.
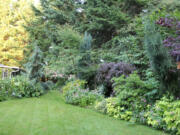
(75,93)
(116,111)
(82,97)
(111,107)
(73,85)
(19,87)
(101,106)
(165,114)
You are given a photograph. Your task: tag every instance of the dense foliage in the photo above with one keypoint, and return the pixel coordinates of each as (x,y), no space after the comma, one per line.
(19,87)
(102,19)
(120,55)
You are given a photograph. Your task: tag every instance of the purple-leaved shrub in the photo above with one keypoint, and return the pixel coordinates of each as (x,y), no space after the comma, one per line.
(109,70)
(171,42)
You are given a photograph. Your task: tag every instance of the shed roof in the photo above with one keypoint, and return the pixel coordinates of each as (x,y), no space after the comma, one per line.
(4,66)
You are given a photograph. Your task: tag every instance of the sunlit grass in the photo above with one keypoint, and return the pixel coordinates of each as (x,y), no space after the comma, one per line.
(49,115)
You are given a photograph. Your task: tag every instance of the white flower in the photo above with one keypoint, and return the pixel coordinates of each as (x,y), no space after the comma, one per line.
(82,1)
(145,10)
(79,10)
(101,60)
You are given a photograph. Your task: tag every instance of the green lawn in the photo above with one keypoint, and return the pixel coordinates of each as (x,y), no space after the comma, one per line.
(49,115)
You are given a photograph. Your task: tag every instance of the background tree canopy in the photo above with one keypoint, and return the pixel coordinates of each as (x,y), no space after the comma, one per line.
(13,36)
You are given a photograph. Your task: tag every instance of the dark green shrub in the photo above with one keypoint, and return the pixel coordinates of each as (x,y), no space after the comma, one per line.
(35,65)
(135,6)
(84,61)
(160,60)
(86,69)
(102,19)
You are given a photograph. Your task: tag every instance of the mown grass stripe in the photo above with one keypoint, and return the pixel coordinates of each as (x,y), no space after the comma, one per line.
(33,117)
(49,115)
